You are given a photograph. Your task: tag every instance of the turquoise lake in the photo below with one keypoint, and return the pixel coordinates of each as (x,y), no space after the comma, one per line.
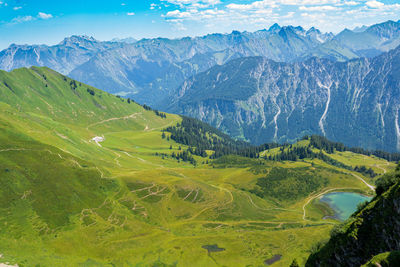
(343,203)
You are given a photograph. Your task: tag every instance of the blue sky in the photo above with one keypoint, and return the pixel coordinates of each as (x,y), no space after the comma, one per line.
(49,21)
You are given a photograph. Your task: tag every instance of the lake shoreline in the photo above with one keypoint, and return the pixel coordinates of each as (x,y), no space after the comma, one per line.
(341,204)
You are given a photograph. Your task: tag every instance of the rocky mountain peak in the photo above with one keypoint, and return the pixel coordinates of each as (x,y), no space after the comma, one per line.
(386,29)
(79,40)
(274,28)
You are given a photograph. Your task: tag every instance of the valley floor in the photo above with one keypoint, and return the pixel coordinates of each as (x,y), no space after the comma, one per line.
(103,190)
(176,209)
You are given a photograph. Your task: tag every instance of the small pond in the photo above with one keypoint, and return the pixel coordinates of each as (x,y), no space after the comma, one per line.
(213,248)
(343,203)
(272,260)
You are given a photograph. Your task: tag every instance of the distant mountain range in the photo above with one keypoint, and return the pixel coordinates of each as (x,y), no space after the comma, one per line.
(186,72)
(150,69)
(63,57)
(260,100)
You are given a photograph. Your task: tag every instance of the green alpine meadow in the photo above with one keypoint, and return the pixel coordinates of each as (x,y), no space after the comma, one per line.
(200,133)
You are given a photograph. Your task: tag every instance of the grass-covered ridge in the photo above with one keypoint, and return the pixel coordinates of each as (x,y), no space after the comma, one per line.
(87,179)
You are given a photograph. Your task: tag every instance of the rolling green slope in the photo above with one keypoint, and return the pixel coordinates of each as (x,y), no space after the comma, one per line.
(89,179)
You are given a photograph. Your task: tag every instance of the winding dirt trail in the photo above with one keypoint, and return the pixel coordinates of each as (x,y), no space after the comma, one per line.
(132,116)
(254,204)
(14,149)
(215,205)
(383,169)
(361,179)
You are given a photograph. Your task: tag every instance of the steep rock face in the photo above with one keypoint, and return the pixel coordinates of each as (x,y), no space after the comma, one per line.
(257,99)
(374,230)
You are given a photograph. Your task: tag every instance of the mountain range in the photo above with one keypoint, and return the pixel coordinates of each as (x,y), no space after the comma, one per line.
(159,71)
(257,99)
(150,69)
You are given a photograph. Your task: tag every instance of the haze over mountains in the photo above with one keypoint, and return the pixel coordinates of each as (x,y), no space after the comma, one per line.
(151,70)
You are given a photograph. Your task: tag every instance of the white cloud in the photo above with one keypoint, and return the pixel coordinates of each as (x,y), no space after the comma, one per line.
(178,14)
(194,3)
(17,7)
(130,13)
(43,15)
(318,8)
(306,2)
(374,4)
(258,14)
(350,3)
(21,19)
(252,6)
(154,6)
(277,3)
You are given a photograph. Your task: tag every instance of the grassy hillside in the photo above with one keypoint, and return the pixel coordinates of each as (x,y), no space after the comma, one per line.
(88,179)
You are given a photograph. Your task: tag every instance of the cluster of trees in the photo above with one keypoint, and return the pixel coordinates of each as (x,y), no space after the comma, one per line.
(194,133)
(298,153)
(385,155)
(321,142)
(292,154)
(366,171)
(9,87)
(146,107)
(158,113)
(90,91)
(287,184)
(200,137)
(73,85)
(184,156)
